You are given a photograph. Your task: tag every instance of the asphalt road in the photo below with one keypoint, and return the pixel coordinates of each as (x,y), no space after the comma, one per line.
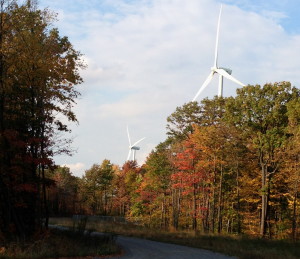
(136,248)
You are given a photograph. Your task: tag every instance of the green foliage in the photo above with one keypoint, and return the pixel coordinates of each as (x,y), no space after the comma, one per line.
(180,122)
(159,167)
(96,187)
(264,118)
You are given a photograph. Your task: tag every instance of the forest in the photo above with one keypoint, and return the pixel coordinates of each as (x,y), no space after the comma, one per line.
(228,166)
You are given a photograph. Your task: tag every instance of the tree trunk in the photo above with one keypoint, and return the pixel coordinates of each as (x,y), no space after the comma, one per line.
(294,220)
(176,203)
(194,208)
(239,230)
(264,197)
(220,202)
(45,198)
(213,202)
(163,212)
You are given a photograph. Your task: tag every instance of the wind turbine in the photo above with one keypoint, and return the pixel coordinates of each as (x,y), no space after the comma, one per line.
(132,148)
(223,72)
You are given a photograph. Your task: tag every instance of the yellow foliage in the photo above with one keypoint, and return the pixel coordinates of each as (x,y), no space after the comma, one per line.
(2,250)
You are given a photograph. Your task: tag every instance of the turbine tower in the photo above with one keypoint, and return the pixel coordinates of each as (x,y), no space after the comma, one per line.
(223,72)
(132,148)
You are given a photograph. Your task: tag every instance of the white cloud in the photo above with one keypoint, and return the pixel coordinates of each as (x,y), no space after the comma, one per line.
(76,169)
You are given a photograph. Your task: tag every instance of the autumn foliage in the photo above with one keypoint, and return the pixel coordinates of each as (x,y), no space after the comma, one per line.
(229,165)
(38,71)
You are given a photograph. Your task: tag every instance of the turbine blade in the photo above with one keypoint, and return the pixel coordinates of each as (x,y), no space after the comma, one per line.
(138,142)
(217,39)
(129,154)
(206,82)
(230,77)
(128,136)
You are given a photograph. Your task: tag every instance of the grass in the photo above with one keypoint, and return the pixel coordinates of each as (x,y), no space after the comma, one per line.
(240,246)
(60,243)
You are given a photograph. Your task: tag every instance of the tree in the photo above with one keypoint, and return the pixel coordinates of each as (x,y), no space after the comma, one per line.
(180,123)
(39,70)
(261,112)
(97,188)
(63,193)
(221,160)
(188,178)
(155,187)
(90,189)
(132,180)
(106,177)
(290,154)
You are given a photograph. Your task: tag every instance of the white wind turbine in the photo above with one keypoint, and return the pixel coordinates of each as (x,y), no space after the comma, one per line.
(132,147)
(223,72)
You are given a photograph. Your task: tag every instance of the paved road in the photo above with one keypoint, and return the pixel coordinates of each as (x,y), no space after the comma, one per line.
(136,248)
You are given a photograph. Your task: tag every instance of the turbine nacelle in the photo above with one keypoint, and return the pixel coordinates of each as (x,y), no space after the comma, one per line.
(228,70)
(135,148)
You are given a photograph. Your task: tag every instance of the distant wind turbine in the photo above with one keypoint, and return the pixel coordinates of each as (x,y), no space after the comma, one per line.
(132,147)
(223,72)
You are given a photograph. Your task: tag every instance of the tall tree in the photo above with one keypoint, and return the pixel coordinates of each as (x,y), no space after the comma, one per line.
(180,123)
(106,177)
(188,178)
(261,112)
(290,154)
(157,181)
(63,192)
(39,72)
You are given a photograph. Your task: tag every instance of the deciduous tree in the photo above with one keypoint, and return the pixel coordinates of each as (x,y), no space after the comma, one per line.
(39,69)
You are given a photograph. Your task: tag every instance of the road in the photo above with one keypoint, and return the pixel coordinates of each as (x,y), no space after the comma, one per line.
(136,248)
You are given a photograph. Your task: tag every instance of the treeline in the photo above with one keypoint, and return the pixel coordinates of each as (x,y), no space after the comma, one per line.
(38,71)
(229,165)
(104,189)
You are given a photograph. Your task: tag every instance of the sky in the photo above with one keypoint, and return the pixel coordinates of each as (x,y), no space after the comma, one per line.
(147,57)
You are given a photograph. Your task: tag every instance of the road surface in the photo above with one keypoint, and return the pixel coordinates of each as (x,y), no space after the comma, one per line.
(136,248)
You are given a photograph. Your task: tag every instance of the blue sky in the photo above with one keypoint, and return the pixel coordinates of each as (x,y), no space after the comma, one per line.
(284,12)
(147,57)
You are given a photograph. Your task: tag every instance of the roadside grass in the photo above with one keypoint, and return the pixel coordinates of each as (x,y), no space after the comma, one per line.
(242,247)
(57,243)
